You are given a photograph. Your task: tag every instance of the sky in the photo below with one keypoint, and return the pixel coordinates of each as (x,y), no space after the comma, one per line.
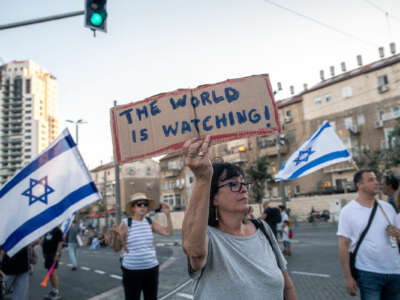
(157,46)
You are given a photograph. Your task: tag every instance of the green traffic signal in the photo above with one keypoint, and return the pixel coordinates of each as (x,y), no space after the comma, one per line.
(98,17)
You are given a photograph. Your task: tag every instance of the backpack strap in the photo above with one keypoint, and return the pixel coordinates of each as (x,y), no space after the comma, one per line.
(259,225)
(149,220)
(129,222)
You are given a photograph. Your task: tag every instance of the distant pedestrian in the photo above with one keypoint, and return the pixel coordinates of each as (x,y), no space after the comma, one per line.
(284,217)
(377,261)
(51,247)
(135,236)
(272,216)
(73,244)
(389,188)
(285,230)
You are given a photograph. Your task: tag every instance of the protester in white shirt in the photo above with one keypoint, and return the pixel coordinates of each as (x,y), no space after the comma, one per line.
(284,217)
(377,262)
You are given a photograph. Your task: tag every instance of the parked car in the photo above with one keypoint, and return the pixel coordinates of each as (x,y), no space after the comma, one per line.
(319,215)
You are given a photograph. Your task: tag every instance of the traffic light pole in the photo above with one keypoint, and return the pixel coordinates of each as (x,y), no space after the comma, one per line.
(42,20)
(117,189)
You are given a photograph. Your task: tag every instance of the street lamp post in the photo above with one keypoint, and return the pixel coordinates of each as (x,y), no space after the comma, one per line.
(77,122)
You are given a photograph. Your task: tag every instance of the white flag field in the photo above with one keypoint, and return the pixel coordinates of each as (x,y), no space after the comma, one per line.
(322,149)
(44,193)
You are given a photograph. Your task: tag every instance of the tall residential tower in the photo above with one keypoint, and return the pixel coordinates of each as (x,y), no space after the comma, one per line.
(28,114)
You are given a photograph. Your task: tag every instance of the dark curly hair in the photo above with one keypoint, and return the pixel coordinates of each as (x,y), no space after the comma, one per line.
(222,171)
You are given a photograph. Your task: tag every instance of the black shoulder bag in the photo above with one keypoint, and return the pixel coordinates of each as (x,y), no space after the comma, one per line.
(353,254)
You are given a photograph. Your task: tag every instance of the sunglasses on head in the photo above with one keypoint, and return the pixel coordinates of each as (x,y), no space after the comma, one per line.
(141,203)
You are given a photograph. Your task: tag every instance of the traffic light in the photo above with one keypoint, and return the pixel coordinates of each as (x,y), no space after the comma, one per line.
(96,15)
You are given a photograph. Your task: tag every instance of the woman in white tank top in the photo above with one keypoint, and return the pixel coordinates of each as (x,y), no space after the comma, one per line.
(135,236)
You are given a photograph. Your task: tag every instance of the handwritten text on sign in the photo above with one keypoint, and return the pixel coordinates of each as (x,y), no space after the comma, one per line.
(227,110)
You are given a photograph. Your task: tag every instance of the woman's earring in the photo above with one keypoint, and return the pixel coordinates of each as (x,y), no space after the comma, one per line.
(216,214)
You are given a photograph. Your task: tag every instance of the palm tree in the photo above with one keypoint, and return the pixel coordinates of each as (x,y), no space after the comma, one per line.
(258,175)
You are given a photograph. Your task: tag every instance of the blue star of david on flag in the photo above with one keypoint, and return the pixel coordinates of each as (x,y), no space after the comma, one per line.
(42,197)
(303,156)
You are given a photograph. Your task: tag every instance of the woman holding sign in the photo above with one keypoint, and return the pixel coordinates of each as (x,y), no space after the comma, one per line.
(135,237)
(230,257)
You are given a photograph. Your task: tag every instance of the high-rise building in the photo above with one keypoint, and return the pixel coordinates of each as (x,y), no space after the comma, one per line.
(28,114)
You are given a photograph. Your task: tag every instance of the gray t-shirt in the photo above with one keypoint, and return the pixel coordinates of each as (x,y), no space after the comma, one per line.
(73,232)
(240,268)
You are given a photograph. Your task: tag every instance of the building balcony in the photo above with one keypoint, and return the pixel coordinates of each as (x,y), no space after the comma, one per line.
(273,150)
(171,173)
(5,172)
(5,110)
(16,153)
(235,158)
(15,121)
(5,104)
(339,167)
(16,160)
(16,103)
(18,109)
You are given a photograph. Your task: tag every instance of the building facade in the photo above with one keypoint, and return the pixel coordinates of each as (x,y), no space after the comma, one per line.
(29,121)
(136,177)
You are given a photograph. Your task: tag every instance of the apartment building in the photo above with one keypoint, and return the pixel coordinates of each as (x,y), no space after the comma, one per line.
(363,105)
(175,181)
(29,121)
(136,177)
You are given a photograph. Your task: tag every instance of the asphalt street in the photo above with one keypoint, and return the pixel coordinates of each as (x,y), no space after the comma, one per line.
(314,268)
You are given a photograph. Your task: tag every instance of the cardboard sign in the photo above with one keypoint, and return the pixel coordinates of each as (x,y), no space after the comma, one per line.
(228,110)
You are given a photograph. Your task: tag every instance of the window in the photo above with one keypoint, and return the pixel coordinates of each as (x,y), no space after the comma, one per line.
(383,80)
(328,98)
(317,101)
(28,124)
(288,113)
(27,156)
(27,137)
(347,92)
(27,143)
(148,171)
(28,105)
(131,171)
(28,99)
(360,120)
(28,111)
(28,86)
(27,130)
(27,150)
(348,122)
(28,118)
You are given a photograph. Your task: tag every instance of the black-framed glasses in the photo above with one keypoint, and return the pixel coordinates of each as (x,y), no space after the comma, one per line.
(141,203)
(236,186)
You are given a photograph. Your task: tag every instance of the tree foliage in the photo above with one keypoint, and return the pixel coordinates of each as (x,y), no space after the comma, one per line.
(258,175)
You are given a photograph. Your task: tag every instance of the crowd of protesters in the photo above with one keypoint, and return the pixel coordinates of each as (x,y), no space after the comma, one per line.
(227,247)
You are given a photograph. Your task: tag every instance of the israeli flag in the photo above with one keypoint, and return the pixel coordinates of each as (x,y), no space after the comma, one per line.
(44,193)
(322,149)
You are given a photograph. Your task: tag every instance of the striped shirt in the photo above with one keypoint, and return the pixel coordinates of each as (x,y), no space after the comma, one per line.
(142,254)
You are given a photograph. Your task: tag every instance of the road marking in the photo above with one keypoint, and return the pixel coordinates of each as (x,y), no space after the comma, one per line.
(176,289)
(311,274)
(183,295)
(116,276)
(85,268)
(99,272)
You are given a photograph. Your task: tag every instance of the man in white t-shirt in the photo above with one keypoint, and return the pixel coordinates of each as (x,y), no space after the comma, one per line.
(377,261)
